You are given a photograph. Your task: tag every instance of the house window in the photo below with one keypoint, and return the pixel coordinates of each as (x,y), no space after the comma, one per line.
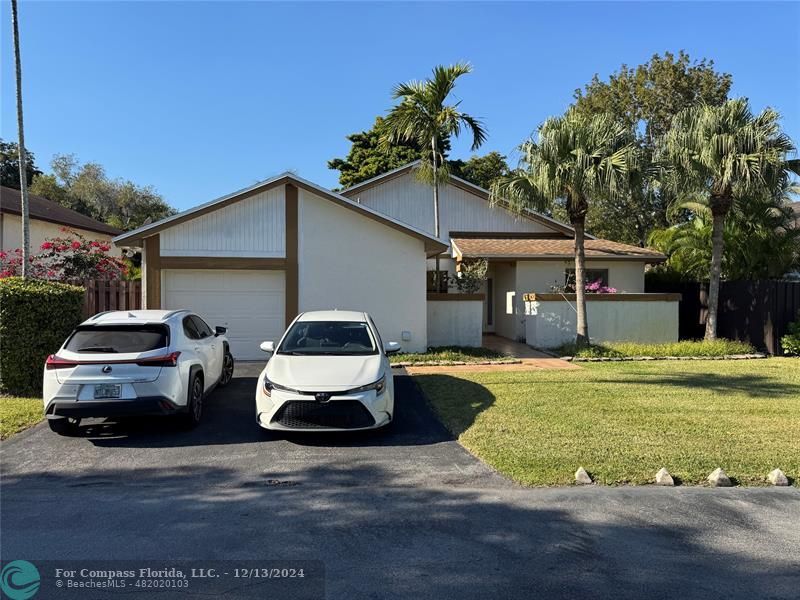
(592,275)
(441,288)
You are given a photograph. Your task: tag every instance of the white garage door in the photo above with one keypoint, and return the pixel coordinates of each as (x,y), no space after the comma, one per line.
(249,303)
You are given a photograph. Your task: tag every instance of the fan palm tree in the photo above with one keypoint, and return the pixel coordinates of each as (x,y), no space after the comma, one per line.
(575,159)
(23,159)
(730,156)
(423,117)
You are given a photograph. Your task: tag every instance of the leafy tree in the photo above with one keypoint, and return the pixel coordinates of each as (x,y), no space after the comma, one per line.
(422,117)
(575,158)
(9,165)
(368,158)
(87,189)
(761,240)
(730,157)
(646,98)
(481,170)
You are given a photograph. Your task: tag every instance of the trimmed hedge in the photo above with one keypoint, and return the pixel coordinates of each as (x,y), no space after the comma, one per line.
(35,319)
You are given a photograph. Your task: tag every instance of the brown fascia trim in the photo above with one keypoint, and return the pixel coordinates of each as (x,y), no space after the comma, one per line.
(292,273)
(509,235)
(222,262)
(444,297)
(621,297)
(289,182)
(379,180)
(570,257)
(152,257)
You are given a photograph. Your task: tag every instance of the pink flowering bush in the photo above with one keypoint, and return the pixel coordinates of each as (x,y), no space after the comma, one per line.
(68,257)
(597,287)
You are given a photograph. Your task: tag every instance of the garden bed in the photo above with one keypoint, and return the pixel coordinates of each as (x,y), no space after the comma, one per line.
(17,414)
(683,350)
(452,355)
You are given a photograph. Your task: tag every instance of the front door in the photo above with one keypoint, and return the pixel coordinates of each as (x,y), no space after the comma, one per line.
(488,304)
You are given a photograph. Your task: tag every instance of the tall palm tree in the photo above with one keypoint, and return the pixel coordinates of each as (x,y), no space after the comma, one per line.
(730,155)
(422,116)
(575,159)
(23,159)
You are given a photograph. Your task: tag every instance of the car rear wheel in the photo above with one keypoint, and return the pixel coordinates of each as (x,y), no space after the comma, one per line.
(64,425)
(227,370)
(195,404)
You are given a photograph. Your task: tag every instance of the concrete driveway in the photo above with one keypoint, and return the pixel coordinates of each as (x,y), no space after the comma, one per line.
(396,514)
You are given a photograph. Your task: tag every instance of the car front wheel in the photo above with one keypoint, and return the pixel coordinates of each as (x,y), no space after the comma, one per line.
(64,425)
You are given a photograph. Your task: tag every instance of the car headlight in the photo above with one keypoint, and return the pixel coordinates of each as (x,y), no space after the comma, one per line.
(379,387)
(271,385)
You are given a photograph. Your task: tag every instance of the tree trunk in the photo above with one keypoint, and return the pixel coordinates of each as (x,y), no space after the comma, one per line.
(717,247)
(582,328)
(23,158)
(436,282)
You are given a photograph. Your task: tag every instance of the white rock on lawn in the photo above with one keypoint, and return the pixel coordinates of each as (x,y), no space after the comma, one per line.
(719,478)
(664,478)
(582,477)
(777,477)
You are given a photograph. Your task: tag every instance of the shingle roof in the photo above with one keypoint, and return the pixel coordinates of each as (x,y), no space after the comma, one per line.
(506,247)
(47,210)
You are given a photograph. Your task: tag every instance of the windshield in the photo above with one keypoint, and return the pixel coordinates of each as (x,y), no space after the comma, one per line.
(339,338)
(118,338)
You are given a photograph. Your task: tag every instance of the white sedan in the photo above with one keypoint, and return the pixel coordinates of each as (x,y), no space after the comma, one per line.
(330,371)
(135,362)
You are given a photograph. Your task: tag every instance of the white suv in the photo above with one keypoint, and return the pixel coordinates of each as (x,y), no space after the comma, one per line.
(132,363)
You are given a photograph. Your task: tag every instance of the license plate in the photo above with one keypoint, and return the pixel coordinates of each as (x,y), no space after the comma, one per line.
(109,390)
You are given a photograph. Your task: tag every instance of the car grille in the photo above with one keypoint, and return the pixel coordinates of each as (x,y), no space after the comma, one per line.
(336,414)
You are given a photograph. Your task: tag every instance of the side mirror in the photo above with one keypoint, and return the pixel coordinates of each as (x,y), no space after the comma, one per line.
(392,348)
(268,346)
(220,330)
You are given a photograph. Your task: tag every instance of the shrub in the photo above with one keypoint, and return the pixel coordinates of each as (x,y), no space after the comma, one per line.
(791,341)
(35,319)
(472,275)
(67,257)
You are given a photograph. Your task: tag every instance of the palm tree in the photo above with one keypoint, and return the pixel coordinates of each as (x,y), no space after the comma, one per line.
(23,159)
(422,117)
(576,158)
(730,156)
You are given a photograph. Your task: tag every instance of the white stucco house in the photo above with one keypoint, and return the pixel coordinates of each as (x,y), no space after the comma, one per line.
(253,259)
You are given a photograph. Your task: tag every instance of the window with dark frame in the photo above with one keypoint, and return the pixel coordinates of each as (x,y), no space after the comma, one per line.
(443,280)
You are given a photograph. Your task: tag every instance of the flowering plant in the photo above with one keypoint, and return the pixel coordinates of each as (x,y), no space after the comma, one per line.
(597,287)
(69,257)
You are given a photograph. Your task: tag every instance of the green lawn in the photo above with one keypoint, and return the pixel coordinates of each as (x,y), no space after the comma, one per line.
(17,414)
(624,421)
(450,354)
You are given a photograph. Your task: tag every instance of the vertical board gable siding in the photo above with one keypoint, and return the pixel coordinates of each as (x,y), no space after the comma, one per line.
(253,227)
(407,200)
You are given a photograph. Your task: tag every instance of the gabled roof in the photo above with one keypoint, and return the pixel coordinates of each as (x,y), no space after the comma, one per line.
(543,249)
(135,237)
(43,209)
(464,185)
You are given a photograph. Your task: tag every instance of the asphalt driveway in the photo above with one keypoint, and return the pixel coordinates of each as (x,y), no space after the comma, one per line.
(394,514)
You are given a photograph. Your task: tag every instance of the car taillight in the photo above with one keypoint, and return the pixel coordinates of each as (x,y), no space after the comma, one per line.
(169,360)
(56,362)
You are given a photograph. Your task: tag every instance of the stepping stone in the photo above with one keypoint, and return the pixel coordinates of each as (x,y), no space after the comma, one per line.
(582,477)
(664,478)
(719,478)
(777,477)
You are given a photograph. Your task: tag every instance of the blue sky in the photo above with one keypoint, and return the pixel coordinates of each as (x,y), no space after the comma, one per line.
(200,99)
